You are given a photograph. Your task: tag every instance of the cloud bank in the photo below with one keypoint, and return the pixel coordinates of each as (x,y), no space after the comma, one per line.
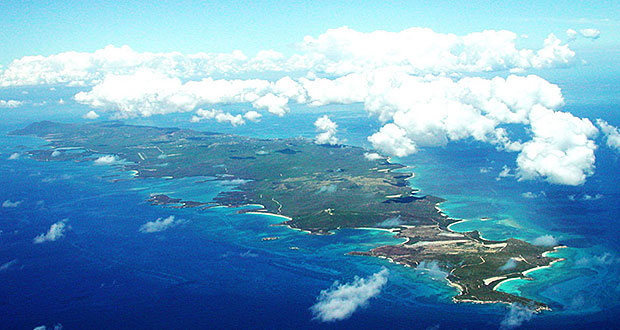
(56,232)
(417,82)
(341,300)
(336,52)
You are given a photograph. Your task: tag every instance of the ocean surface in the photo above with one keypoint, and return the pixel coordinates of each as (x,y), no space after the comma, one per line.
(213,271)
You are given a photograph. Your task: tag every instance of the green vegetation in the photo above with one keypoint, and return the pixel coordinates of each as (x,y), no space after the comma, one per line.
(320,187)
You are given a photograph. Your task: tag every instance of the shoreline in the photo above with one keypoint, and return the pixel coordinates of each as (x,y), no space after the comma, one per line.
(533,269)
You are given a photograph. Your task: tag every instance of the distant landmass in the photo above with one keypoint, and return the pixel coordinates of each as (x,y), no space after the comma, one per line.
(316,188)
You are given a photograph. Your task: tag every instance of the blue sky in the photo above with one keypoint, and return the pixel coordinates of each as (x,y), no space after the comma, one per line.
(44,28)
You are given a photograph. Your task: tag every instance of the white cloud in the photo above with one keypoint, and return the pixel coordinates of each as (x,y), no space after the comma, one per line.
(561,150)
(252,116)
(421,50)
(8,265)
(56,231)
(106,160)
(510,264)
(14,156)
(533,195)
(590,33)
(372,156)
(392,140)
(147,93)
(10,103)
(55,153)
(218,115)
(545,240)
(43,327)
(327,131)
(336,52)
(341,300)
(571,34)
(408,79)
(611,134)
(433,269)
(278,105)
(8,203)
(160,224)
(91,115)
(517,315)
(593,34)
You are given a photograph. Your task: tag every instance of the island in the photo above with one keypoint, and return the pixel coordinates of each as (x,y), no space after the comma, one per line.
(315,188)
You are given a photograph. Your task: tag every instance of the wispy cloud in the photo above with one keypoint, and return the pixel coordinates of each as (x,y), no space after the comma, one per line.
(7,265)
(56,232)
(160,224)
(545,240)
(516,316)
(10,204)
(341,300)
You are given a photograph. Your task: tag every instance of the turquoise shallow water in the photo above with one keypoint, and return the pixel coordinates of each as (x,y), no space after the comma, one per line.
(214,271)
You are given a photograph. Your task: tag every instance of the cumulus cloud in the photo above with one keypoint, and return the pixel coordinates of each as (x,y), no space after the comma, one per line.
(421,50)
(516,316)
(611,134)
(219,115)
(545,240)
(393,140)
(341,300)
(9,203)
(106,160)
(408,79)
(160,224)
(252,116)
(146,93)
(561,150)
(56,232)
(593,34)
(336,52)
(590,33)
(327,131)
(372,156)
(10,103)
(91,115)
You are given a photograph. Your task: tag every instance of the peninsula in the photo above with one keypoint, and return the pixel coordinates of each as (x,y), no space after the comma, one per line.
(317,188)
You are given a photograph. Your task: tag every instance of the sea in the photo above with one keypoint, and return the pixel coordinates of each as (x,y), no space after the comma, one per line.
(214,271)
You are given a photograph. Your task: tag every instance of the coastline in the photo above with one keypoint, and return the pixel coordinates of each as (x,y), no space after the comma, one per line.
(533,269)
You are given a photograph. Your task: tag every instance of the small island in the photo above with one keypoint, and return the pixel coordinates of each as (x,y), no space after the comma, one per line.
(315,188)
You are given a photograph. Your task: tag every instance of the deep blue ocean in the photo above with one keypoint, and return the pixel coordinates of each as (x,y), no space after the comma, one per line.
(214,272)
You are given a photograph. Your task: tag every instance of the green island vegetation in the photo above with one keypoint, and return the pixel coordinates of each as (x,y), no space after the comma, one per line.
(319,188)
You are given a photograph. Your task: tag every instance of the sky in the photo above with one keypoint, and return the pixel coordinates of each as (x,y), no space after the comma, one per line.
(430,72)
(49,27)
